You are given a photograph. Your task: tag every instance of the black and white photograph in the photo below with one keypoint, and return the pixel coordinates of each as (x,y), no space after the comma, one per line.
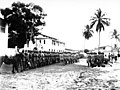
(59,45)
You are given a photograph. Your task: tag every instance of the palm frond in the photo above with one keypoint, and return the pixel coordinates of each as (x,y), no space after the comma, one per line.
(99,12)
(92,31)
(93,23)
(96,14)
(87,27)
(103,15)
(93,18)
(107,23)
(106,19)
(118,35)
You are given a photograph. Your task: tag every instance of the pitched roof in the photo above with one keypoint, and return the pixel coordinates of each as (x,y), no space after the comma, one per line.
(47,37)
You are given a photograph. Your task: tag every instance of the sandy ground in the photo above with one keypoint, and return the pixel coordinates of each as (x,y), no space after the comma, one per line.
(58,77)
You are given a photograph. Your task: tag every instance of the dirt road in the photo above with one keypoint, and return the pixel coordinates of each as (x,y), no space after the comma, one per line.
(58,77)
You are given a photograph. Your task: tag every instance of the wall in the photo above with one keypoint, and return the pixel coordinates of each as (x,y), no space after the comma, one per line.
(49,45)
(3,37)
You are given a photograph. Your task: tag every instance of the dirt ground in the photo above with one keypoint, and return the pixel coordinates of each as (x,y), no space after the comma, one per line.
(69,77)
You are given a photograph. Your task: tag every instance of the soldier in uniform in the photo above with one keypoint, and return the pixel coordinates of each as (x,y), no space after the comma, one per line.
(33,62)
(23,60)
(58,57)
(19,58)
(89,60)
(50,58)
(43,58)
(35,59)
(31,59)
(26,61)
(38,59)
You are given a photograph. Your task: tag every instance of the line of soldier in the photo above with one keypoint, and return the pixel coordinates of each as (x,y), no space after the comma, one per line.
(94,60)
(27,59)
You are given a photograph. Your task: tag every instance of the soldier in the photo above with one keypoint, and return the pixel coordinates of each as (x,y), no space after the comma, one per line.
(35,59)
(43,58)
(65,58)
(23,60)
(19,57)
(33,62)
(50,58)
(47,58)
(89,61)
(58,57)
(38,59)
(15,64)
(61,57)
(26,61)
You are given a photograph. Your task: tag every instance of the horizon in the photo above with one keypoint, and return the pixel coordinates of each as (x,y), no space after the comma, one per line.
(66,20)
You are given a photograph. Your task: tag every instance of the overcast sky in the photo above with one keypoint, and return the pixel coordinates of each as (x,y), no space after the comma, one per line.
(66,19)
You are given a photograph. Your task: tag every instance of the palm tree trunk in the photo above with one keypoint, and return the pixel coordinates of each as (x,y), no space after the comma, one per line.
(99,41)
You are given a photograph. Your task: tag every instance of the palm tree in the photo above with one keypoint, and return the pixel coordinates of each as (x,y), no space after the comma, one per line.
(100,21)
(87,33)
(115,35)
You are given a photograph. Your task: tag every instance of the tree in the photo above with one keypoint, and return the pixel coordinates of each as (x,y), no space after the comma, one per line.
(88,33)
(23,20)
(100,20)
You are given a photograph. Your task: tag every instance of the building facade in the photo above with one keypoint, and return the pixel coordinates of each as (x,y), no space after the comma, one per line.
(47,43)
(42,42)
(3,37)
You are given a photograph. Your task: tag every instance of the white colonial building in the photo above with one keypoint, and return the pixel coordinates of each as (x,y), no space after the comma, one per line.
(4,50)
(42,42)
(47,43)
(3,37)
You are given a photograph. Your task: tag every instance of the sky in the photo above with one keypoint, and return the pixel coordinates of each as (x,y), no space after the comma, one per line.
(66,20)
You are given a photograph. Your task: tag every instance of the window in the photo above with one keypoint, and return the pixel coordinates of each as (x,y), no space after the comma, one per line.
(53,42)
(2,26)
(44,41)
(40,41)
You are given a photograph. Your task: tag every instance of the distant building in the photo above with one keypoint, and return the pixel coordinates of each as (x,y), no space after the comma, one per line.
(107,50)
(47,43)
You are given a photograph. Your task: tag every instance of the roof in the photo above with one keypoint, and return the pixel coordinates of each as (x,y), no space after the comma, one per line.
(48,37)
(71,50)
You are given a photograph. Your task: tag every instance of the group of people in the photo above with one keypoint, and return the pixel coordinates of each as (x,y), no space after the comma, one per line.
(113,57)
(27,59)
(94,60)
